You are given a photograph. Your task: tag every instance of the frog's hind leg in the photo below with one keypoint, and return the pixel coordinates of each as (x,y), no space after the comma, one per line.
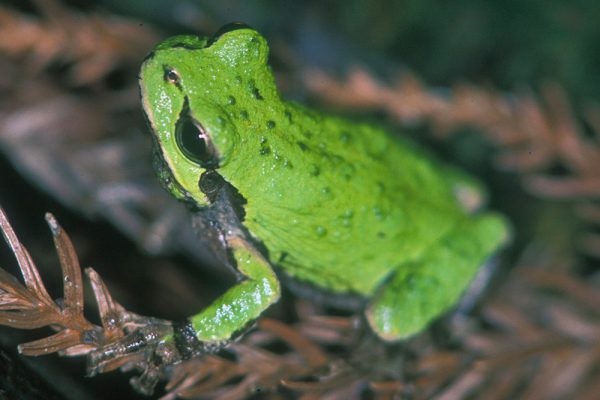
(422,290)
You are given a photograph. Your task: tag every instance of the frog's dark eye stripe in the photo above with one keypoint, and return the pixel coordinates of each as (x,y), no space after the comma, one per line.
(193,141)
(171,75)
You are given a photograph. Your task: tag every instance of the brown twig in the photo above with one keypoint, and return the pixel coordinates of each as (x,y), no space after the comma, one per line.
(31,307)
(92,43)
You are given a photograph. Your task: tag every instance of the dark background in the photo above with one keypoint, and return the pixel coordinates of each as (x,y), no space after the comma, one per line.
(509,47)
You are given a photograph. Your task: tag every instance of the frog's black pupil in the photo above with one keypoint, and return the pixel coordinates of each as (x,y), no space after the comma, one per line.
(191,141)
(172,76)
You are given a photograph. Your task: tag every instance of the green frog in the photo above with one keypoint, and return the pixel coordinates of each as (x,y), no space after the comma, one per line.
(290,194)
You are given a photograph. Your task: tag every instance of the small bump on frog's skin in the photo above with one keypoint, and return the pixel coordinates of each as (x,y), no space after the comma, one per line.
(343,206)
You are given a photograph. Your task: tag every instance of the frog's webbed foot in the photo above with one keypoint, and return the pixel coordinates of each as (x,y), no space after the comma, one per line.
(147,346)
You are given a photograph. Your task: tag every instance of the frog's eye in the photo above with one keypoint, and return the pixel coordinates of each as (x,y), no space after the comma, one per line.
(194,142)
(171,75)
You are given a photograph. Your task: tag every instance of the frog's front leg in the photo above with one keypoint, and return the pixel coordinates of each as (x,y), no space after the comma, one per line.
(242,304)
(162,343)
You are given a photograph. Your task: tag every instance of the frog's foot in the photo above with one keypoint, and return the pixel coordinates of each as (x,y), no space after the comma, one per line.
(152,347)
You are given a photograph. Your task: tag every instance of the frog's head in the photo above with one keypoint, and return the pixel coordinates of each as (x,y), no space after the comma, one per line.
(197,93)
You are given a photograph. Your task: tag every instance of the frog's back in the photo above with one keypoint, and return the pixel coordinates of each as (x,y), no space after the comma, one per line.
(341,204)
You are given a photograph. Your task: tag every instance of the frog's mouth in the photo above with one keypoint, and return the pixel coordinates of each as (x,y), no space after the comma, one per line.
(193,140)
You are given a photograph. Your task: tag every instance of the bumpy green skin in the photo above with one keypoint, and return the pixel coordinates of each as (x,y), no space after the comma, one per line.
(344,206)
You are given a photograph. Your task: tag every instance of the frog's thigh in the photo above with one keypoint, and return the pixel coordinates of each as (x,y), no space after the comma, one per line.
(422,290)
(244,302)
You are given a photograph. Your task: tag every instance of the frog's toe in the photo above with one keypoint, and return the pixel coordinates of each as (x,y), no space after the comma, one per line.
(383,320)
(402,308)
(146,348)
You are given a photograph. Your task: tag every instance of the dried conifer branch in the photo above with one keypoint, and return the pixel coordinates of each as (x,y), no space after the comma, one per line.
(555,335)
(69,263)
(254,366)
(93,43)
(30,306)
(312,354)
(28,270)
(110,311)
(531,332)
(541,343)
